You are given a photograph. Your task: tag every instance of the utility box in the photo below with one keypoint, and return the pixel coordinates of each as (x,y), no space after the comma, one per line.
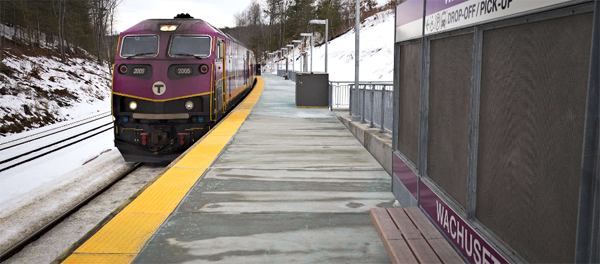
(312,89)
(257,69)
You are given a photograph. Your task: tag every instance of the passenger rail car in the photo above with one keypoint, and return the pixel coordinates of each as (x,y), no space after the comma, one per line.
(173,80)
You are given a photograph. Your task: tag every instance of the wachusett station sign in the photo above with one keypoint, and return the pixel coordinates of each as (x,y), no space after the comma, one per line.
(444,15)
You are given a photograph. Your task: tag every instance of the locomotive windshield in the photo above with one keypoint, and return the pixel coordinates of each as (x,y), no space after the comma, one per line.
(197,46)
(139,46)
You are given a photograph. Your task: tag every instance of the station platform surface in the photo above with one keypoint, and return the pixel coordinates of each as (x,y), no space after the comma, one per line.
(290,185)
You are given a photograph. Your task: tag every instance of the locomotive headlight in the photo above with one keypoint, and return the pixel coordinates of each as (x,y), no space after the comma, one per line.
(133,105)
(123,68)
(189,105)
(168,27)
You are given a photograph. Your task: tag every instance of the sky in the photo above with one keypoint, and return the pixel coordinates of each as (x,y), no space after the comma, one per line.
(219,13)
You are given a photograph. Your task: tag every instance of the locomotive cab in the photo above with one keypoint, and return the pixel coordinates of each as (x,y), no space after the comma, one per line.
(171,84)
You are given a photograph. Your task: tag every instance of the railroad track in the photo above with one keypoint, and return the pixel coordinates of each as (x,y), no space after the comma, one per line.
(72,124)
(38,233)
(33,154)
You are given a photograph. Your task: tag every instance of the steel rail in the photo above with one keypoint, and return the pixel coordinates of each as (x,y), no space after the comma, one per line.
(53,144)
(17,247)
(56,149)
(107,114)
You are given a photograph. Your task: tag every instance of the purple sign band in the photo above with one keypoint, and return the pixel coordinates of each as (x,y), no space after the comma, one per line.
(434,6)
(409,11)
(461,234)
(412,10)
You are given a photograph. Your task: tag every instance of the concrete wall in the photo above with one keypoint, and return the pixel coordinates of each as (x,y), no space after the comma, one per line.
(378,144)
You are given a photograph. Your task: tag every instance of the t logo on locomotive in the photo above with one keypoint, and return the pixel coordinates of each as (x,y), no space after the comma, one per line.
(159,88)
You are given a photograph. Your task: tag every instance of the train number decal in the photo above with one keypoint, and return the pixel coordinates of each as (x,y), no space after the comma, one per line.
(139,71)
(184,71)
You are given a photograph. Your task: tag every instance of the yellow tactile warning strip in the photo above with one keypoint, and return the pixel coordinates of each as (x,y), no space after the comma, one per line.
(122,238)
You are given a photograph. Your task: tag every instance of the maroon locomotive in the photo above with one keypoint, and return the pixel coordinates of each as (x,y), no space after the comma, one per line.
(173,80)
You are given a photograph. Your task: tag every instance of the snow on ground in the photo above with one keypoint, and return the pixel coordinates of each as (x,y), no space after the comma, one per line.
(376,52)
(22,179)
(22,216)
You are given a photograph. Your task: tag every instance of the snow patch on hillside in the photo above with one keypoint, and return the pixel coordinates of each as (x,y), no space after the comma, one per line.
(39,90)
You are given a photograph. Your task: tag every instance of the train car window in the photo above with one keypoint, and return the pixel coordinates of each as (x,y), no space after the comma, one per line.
(221,50)
(197,46)
(140,45)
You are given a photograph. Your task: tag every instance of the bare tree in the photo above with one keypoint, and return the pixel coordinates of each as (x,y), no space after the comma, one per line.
(2,5)
(60,8)
(102,15)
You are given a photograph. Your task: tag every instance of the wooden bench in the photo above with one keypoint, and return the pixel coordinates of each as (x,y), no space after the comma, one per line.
(409,237)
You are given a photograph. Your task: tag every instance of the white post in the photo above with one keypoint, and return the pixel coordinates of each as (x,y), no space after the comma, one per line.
(311,52)
(326,41)
(355,116)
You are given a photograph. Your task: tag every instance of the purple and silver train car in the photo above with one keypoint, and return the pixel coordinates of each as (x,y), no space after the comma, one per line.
(173,80)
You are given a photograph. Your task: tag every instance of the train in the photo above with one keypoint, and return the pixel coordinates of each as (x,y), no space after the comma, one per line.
(173,80)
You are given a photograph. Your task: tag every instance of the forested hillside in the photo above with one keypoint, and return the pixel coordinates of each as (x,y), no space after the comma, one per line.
(268,25)
(87,24)
(55,61)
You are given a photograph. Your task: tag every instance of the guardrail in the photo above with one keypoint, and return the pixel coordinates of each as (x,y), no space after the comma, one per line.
(373,101)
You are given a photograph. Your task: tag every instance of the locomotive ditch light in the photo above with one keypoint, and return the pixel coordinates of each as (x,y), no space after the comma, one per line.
(123,69)
(189,105)
(132,105)
(168,27)
(203,68)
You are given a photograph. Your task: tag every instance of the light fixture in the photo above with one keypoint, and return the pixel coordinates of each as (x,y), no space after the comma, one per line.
(189,105)
(168,27)
(318,21)
(132,105)
(203,68)
(326,23)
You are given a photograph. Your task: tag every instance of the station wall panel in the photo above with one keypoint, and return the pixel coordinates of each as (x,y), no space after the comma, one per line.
(409,93)
(449,107)
(533,101)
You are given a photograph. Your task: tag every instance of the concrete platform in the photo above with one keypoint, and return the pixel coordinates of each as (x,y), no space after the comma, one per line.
(293,186)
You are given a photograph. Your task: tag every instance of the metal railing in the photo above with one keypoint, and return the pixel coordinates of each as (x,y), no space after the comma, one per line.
(373,101)
(291,75)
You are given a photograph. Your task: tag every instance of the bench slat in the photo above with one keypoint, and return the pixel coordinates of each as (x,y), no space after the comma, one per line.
(400,252)
(446,253)
(423,251)
(422,222)
(385,226)
(406,226)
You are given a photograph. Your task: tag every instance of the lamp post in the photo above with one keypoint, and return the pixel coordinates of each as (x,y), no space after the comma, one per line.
(294,53)
(292,47)
(287,53)
(326,23)
(279,59)
(311,47)
(355,116)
